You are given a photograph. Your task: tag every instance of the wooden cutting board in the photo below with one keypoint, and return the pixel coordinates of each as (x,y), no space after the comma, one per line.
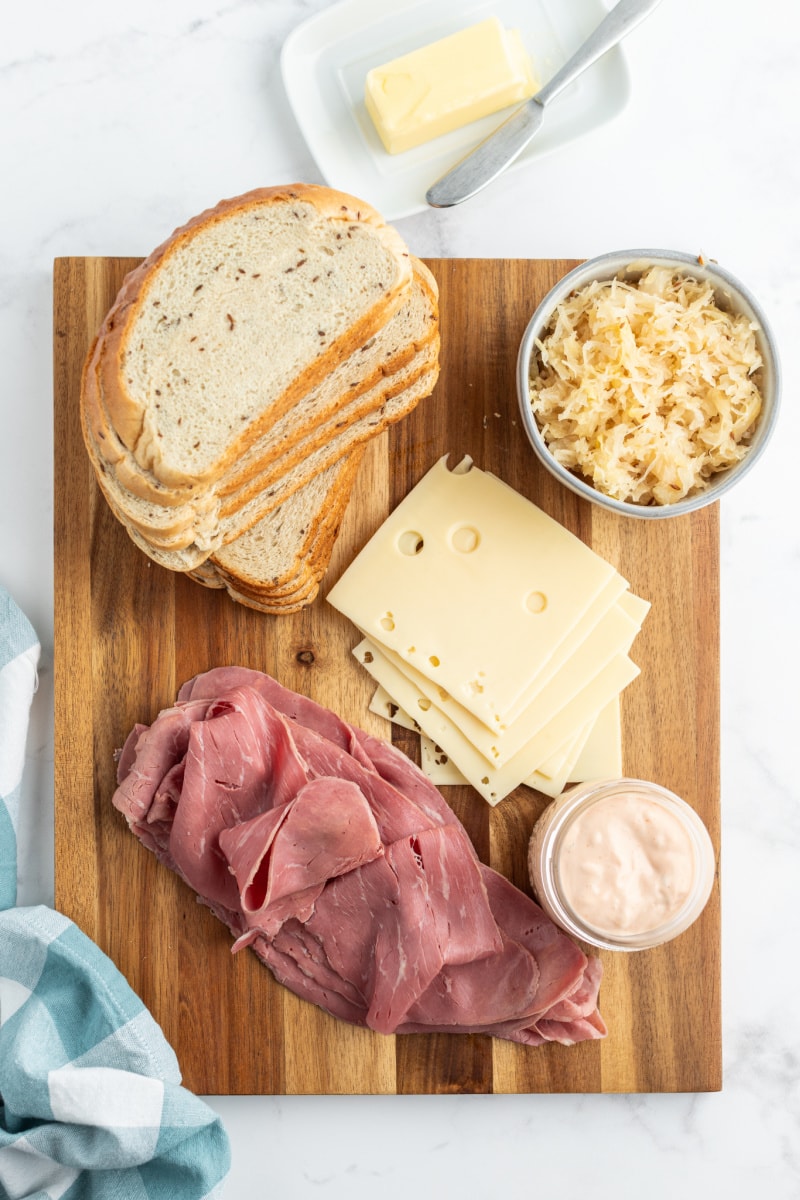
(128,633)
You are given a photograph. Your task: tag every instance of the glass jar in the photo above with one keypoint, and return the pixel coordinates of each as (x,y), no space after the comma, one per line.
(622,864)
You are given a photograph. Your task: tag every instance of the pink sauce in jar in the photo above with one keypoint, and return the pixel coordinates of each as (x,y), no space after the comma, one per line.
(623,864)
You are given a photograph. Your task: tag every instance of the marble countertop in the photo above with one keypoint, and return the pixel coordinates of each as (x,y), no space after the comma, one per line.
(122,121)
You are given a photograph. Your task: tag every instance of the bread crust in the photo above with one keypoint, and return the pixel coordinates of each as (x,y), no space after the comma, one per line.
(201,541)
(193,499)
(175,527)
(189,557)
(127,413)
(312,556)
(263,528)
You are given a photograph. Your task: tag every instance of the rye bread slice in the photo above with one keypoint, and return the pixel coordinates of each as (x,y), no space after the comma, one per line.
(245,567)
(188,557)
(294,471)
(270,556)
(277,565)
(397,396)
(220,331)
(372,376)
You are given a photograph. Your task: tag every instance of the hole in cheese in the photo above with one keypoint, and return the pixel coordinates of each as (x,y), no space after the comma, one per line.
(424,703)
(410,542)
(433,660)
(536,602)
(387,623)
(465,539)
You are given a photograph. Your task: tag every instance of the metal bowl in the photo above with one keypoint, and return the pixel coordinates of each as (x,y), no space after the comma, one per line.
(730,295)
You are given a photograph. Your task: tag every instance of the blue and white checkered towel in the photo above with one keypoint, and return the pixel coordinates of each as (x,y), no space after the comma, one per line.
(90,1097)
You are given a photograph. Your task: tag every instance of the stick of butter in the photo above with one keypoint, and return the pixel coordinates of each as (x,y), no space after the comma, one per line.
(447,84)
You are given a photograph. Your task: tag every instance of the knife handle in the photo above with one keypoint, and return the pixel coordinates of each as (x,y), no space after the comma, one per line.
(623,17)
(490,158)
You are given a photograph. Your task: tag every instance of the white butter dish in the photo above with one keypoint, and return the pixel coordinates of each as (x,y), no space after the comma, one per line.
(325,61)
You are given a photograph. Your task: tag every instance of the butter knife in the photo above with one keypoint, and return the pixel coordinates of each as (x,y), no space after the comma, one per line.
(491,157)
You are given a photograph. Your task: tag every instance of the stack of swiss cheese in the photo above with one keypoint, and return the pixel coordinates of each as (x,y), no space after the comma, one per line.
(496,632)
(233,386)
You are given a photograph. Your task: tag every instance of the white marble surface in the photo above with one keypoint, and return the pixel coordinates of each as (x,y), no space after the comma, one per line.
(119,122)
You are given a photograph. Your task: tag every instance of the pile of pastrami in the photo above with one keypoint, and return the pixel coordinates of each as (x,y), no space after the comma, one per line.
(331,855)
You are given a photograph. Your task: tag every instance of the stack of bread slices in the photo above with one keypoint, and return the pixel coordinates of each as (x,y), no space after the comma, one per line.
(231,391)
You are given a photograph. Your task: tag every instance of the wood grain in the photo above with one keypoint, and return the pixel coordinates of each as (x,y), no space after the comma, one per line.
(127,633)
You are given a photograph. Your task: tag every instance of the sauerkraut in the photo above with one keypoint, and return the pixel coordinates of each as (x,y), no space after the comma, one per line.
(648,388)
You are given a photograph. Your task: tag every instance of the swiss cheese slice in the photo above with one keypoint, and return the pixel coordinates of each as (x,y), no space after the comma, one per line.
(383,705)
(495,782)
(595,752)
(473,585)
(439,768)
(601,756)
(613,635)
(442,770)
(554,764)
(589,627)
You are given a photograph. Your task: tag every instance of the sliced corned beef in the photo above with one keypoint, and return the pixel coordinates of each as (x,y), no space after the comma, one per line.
(325,831)
(329,853)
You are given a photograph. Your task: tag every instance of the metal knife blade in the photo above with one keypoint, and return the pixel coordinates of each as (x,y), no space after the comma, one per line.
(490,158)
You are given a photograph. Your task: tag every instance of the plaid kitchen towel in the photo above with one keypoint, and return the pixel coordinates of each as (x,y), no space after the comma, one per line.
(90,1098)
